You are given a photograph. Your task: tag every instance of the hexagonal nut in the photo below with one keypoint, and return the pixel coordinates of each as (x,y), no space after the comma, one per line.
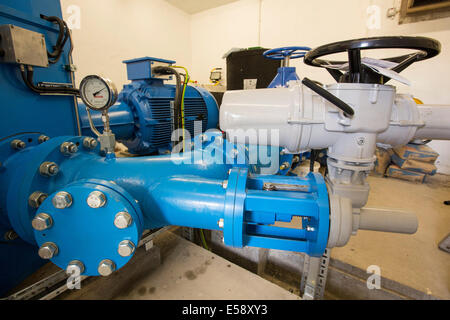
(62,200)
(75,266)
(42,221)
(126,248)
(48,250)
(96,199)
(106,267)
(18,144)
(11,235)
(68,148)
(43,138)
(123,220)
(36,198)
(90,143)
(49,169)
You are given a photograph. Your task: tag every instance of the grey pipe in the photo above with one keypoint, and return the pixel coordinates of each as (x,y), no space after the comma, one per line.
(388,220)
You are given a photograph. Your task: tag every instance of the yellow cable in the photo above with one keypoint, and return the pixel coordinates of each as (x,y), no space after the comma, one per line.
(182,103)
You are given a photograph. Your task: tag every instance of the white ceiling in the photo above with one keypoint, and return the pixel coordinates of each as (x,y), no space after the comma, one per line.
(194,6)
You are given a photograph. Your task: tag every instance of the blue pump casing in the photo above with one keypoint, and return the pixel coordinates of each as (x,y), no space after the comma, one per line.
(143,117)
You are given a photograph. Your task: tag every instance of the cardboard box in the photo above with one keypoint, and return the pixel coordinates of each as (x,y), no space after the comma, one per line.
(415,165)
(417,152)
(397,172)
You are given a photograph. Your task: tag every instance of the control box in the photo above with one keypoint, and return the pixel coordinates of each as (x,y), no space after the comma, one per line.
(22,46)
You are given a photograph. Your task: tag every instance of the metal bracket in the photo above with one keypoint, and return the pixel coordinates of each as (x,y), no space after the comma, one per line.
(314,276)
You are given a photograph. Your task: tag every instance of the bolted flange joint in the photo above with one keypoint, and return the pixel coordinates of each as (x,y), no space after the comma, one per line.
(106,267)
(48,169)
(90,143)
(18,144)
(36,198)
(48,250)
(68,148)
(62,200)
(96,199)
(43,138)
(123,220)
(42,221)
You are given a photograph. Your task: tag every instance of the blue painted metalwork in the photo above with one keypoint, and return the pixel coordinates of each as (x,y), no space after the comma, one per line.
(141,68)
(25,110)
(142,119)
(181,189)
(89,235)
(285,73)
(284,52)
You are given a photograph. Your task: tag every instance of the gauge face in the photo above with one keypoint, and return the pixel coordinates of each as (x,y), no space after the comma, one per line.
(98,93)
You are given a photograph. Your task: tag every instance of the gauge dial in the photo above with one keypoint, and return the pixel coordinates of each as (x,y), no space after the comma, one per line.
(98,93)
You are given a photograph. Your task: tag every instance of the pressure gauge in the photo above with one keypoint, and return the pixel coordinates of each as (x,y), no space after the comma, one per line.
(98,93)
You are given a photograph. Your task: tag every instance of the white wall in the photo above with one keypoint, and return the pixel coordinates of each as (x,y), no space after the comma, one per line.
(314,23)
(116,30)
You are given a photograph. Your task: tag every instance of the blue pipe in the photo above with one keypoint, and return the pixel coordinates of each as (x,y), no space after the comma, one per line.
(183,189)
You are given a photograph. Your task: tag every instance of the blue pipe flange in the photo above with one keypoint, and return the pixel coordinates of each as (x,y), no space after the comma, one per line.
(26,184)
(233,231)
(11,149)
(322,224)
(95,223)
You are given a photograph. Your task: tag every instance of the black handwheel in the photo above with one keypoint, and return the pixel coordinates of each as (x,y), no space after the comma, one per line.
(358,72)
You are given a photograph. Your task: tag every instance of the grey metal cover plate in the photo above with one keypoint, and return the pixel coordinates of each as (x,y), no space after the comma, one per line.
(22,46)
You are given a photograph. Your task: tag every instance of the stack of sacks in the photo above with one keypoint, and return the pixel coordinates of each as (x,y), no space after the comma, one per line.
(383,160)
(413,163)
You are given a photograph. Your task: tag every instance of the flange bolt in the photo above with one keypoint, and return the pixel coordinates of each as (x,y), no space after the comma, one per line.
(106,267)
(90,143)
(126,248)
(75,264)
(18,144)
(96,199)
(36,198)
(62,200)
(68,148)
(42,221)
(43,139)
(49,169)
(11,235)
(123,220)
(48,250)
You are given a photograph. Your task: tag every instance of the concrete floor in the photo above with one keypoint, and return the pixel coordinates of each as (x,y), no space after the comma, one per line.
(413,260)
(187,271)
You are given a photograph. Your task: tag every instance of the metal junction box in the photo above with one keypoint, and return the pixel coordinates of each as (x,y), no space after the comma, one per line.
(22,46)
